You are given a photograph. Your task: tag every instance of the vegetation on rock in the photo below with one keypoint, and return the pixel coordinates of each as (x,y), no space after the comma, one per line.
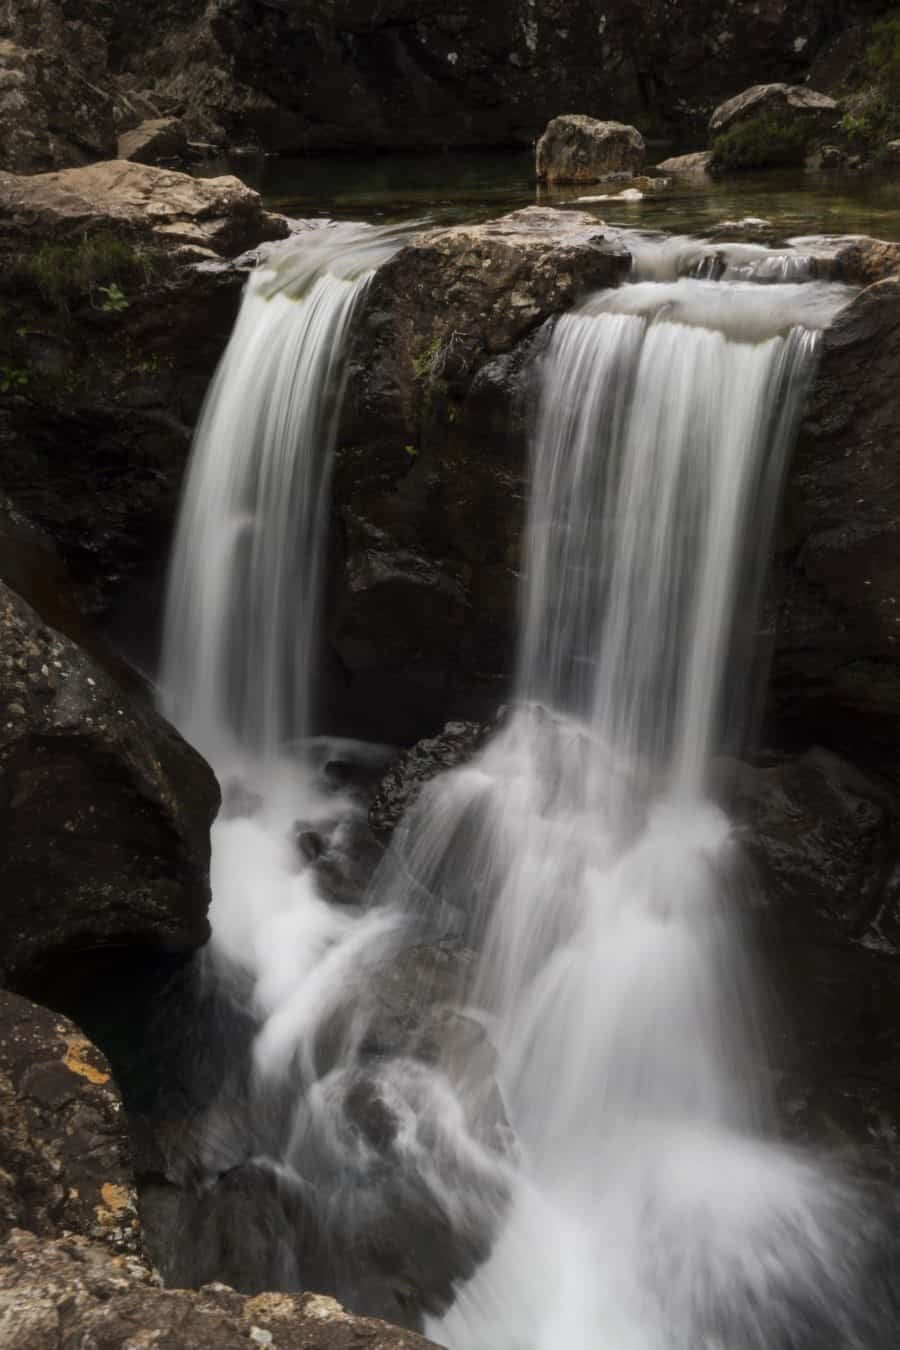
(763,142)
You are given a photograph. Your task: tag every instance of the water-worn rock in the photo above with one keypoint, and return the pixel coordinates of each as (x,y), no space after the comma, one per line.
(431,464)
(105,811)
(694,164)
(157,139)
(65,1165)
(797,102)
(403,782)
(836,675)
(67,1292)
(137,200)
(863,261)
(578,149)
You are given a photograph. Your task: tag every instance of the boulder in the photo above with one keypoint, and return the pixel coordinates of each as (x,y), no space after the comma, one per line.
(105,812)
(891,152)
(818,112)
(401,785)
(154,140)
(65,1164)
(863,261)
(135,200)
(59,1293)
(836,673)
(429,485)
(578,149)
(692,165)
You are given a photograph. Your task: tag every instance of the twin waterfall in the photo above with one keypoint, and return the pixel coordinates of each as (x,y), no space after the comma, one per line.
(585,1156)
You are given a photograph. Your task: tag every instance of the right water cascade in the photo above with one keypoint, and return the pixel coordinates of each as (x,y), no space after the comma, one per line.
(651,1204)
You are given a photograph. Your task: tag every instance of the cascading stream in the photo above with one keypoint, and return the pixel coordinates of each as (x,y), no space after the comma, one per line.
(572,1149)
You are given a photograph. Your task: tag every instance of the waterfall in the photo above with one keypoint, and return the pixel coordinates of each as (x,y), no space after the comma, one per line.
(242,614)
(559,1135)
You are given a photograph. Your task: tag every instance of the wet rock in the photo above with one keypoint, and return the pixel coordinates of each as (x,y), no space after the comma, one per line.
(694,164)
(111,1302)
(402,784)
(818,112)
(139,201)
(836,673)
(863,261)
(429,486)
(577,149)
(891,152)
(65,1164)
(105,810)
(153,141)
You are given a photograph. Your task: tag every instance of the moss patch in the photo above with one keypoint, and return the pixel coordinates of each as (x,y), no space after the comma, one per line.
(763,142)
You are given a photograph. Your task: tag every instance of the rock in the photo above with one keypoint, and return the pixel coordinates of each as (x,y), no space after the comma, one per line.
(136,200)
(429,483)
(153,141)
(817,111)
(833,157)
(55,1294)
(403,782)
(891,152)
(863,261)
(577,149)
(694,164)
(55,107)
(105,811)
(65,1165)
(836,674)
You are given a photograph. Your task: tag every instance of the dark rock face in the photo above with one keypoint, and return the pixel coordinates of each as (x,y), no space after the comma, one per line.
(403,782)
(55,1294)
(64,1157)
(105,811)
(836,675)
(429,487)
(577,149)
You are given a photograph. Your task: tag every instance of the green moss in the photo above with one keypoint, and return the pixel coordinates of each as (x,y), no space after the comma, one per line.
(872,116)
(95,268)
(423,364)
(763,142)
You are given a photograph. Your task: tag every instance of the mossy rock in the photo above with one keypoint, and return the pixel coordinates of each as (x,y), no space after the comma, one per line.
(765,142)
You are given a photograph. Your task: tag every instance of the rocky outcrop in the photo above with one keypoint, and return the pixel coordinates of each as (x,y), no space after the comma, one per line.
(577,149)
(55,1294)
(429,485)
(65,1164)
(171,208)
(56,106)
(402,784)
(155,140)
(817,111)
(105,811)
(837,671)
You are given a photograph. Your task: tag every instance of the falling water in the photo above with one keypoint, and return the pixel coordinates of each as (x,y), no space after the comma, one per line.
(569,1145)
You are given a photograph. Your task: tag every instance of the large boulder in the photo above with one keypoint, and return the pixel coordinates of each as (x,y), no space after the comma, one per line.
(138,201)
(105,812)
(67,1292)
(578,149)
(429,485)
(65,1164)
(818,112)
(836,672)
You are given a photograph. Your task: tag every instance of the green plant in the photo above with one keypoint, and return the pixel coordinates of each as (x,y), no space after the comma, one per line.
(423,364)
(12,378)
(116,299)
(764,141)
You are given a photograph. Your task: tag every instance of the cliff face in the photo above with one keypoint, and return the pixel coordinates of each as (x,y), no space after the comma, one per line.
(297,75)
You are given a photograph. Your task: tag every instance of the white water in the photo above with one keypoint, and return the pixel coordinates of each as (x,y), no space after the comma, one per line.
(639,1200)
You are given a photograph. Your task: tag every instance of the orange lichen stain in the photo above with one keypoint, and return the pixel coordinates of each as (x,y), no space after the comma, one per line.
(75,1061)
(116,1198)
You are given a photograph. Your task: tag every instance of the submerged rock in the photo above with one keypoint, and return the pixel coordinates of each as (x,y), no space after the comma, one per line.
(111,1302)
(105,811)
(577,149)
(171,208)
(65,1163)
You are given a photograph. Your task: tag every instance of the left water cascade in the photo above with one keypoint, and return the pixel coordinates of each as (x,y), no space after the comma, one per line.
(293,1105)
